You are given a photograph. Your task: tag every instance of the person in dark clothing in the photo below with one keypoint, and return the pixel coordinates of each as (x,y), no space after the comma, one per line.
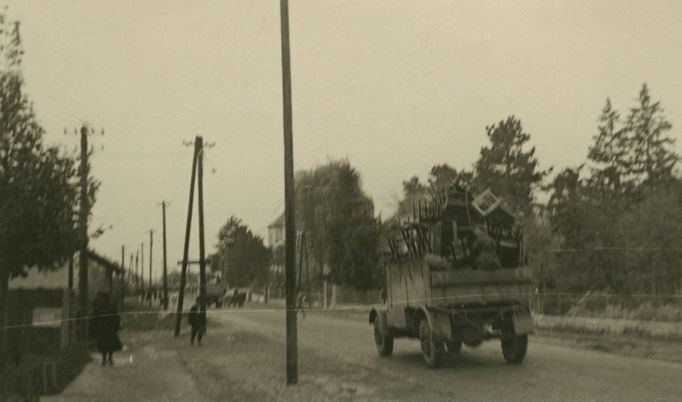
(197,322)
(383,296)
(105,326)
(484,250)
(300,300)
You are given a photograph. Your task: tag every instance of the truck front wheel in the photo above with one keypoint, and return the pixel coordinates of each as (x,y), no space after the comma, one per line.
(514,348)
(432,350)
(383,340)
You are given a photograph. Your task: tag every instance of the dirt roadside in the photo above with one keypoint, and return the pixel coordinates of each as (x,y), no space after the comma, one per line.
(146,370)
(242,366)
(591,337)
(232,364)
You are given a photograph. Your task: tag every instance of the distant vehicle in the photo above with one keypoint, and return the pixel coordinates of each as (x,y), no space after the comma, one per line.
(455,274)
(215,292)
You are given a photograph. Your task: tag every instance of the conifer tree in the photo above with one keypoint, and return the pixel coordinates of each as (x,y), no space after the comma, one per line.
(507,167)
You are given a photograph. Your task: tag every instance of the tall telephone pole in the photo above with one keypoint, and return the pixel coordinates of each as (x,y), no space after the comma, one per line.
(137,271)
(183,271)
(289,202)
(83,213)
(131,264)
(202,260)
(151,243)
(165,270)
(123,263)
(142,269)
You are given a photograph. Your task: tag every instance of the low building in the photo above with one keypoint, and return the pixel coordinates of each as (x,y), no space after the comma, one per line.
(42,306)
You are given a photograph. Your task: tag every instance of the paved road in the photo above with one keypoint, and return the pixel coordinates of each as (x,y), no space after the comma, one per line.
(549,373)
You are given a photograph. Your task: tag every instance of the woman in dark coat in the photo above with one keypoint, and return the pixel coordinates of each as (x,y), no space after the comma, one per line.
(106,324)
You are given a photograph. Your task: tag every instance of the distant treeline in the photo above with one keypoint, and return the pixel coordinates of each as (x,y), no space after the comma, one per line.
(609,229)
(612,225)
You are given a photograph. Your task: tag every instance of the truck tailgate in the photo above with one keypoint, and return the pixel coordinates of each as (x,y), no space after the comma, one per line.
(468,286)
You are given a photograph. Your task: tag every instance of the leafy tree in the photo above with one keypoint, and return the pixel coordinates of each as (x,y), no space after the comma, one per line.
(277,260)
(414,191)
(338,219)
(38,183)
(442,176)
(243,254)
(507,167)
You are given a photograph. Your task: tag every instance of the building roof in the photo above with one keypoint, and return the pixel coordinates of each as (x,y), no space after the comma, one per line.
(279,222)
(107,263)
(58,276)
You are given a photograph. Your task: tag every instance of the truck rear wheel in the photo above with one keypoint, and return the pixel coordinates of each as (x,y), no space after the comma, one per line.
(432,350)
(383,340)
(514,348)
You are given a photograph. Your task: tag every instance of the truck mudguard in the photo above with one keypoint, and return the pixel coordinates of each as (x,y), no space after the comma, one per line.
(439,322)
(523,323)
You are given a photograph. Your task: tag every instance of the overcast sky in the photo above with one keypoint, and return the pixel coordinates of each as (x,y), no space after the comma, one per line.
(395,86)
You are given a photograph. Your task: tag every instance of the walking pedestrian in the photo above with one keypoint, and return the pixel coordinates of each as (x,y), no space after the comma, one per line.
(106,322)
(300,300)
(197,322)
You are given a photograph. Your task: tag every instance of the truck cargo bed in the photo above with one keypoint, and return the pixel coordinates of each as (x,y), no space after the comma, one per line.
(436,283)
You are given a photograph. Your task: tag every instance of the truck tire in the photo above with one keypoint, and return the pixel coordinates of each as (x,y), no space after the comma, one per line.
(514,348)
(432,350)
(383,340)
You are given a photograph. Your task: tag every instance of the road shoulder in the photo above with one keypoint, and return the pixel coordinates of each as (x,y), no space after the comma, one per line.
(148,369)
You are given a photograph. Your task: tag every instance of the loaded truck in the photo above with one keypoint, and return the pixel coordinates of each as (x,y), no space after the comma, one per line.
(215,292)
(455,274)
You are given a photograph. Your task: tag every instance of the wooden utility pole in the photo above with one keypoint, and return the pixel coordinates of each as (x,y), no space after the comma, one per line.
(151,243)
(70,279)
(202,260)
(307,276)
(123,263)
(165,270)
(137,271)
(289,202)
(183,271)
(110,280)
(300,261)
(131,264)
(83,232)
(142,269)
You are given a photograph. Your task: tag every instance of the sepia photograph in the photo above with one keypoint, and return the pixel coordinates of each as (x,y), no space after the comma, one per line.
(340,200)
